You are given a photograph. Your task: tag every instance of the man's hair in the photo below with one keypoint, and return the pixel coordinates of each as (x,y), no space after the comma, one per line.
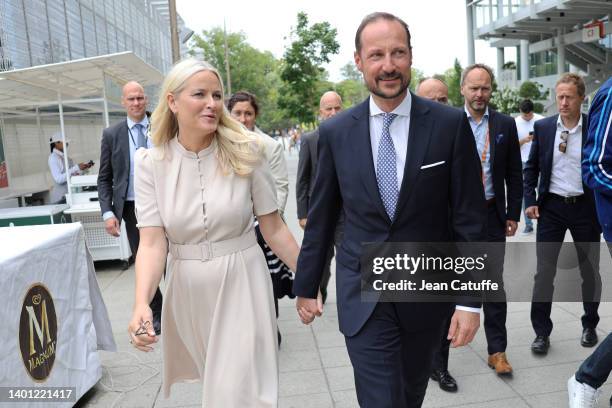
(472,67)
(571,78)
(437,77)
(526,106)
(370,18)
(243,96)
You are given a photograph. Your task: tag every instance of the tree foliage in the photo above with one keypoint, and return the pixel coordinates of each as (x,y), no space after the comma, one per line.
(250,70)
(506,100)
(302,69)
(452,78)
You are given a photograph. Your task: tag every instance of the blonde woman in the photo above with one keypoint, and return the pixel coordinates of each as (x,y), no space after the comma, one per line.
(196,193)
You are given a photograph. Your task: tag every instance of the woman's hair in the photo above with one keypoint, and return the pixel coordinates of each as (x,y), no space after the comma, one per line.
(238,149)
(243,96)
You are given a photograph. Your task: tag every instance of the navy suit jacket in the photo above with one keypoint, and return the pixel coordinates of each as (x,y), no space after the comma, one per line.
(506,166)
(437,204)
(539,164)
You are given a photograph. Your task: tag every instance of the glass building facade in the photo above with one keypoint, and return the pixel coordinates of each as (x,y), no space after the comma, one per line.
(36,32)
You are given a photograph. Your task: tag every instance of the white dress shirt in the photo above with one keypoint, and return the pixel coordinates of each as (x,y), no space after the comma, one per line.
(566,177)
(399,131)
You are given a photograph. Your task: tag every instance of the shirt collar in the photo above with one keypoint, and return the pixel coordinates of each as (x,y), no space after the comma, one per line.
(561,126)
(403,109)
(469,115)
(144,122)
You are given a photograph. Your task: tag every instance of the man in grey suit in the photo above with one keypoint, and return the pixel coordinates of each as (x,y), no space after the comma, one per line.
(329,105)
(116,175)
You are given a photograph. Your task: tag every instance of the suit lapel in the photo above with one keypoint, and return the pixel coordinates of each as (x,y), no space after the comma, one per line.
(551,133)
(584,129)
(418,140)
(492,135)
(362,149)
(124,145)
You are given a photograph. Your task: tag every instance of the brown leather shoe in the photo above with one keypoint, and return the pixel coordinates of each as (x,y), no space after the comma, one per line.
(500,363)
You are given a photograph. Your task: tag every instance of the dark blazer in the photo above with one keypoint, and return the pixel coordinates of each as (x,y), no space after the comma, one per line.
(307,166)
(506,166)
(440,203)
(114,174)
(538,168)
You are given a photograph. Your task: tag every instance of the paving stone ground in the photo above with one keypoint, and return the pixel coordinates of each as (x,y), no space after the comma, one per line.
(315,371)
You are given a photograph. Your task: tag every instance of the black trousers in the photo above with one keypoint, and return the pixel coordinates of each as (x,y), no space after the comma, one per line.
(495,312)
(129,216)
(392,353)
(556,217)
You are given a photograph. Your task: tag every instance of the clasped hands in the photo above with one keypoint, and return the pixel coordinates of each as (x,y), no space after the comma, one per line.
(308,308)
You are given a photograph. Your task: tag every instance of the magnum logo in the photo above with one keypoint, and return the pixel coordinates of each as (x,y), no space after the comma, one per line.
(38,332)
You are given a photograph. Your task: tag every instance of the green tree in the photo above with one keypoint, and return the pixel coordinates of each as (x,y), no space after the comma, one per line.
(415,76)
(506,101)
(250,69)
(452,77)
(350,71)
(302,69)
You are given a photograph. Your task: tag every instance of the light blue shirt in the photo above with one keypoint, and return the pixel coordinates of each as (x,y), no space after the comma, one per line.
(133,141)
(481,133)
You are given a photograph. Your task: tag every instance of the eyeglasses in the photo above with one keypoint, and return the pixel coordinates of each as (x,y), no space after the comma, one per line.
(563,144)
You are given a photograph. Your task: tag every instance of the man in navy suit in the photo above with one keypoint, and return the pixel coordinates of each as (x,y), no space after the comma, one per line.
(500,157)
(403,169)
(563,202)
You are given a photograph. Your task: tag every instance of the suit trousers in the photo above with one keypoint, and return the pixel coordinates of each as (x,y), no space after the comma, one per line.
(495,311)
(391,358)
(440,359)
(556,217)
(129,216)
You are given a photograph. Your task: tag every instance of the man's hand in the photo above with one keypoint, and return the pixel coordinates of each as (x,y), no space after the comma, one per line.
(112,226)
(532,212)
(309,308)
(84,166)
(463,327)
(526,139)
(302,222)
(511,227)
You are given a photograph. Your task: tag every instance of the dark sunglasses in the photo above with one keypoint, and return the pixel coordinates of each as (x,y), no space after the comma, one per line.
(563,144)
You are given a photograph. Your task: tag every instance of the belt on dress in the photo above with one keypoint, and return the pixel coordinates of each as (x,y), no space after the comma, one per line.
(206,250)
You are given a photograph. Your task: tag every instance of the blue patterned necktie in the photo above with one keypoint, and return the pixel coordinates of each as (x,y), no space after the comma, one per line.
(142,139)
(386,170)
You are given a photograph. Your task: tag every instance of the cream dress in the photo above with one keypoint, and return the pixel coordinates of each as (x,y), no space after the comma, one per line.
(218,318)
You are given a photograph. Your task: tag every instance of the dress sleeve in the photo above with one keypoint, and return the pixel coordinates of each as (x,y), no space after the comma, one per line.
(263,191)
(147,212)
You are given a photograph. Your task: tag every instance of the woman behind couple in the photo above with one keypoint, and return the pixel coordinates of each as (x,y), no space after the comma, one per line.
(196,193)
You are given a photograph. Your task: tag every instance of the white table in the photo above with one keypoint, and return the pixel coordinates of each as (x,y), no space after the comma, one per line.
(52,258)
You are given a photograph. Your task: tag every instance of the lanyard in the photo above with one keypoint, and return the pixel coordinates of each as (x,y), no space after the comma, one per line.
(136,146)
(483,158)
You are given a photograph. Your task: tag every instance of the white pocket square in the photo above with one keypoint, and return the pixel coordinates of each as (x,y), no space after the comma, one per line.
(432,164)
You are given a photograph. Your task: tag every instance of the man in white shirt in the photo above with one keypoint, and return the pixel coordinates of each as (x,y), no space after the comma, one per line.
(563,202)
(57,166)
(524,126)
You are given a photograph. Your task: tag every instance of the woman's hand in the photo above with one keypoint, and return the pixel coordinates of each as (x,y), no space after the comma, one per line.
(140,329)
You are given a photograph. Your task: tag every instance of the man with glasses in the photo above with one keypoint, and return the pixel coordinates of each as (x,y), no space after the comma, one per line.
(563,202)
(116,176)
